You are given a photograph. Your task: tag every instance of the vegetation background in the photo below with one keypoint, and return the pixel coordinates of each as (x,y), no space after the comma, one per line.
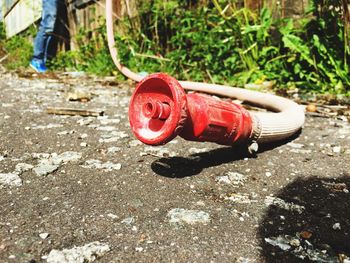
(215,41)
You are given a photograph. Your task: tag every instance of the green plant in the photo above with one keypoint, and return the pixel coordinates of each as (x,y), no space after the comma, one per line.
(219,42)
(213,43)
(92,56)
(320,50)
(2,32)
(19,51)
(16,51)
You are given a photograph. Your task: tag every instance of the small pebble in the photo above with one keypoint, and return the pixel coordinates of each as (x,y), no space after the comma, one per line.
(44,235)
(336,226)
(139,249)
(295,242)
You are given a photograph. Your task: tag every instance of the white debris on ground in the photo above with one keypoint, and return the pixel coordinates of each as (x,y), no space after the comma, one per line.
(85,121)
(113,216)
(296,145)
(302,151)
(298,148)
(10,179)
(49,163)
(290,206)
(97,164)
(268,174)
(281,242)
(336,226)
(66,132)
(157,151)
(106,128)
(104,120)
(244,260)
(66,157)
(134,143)
(44,235)
(113,136)
(345,130)
(23,167)
(44,127)
(335,187)
(13,179)
(180,215)
(241,215)
(193,150)
(45,169)
(242,198)
(113,149)
(128,220)
(87,253)
(302,249)
(233,178)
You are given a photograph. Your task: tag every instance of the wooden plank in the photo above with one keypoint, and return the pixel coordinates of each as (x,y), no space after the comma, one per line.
(7,6)
(287,8)
(254,4)
(73,112)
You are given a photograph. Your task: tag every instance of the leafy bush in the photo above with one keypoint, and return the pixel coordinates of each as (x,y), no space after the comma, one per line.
(19,52)
(2,32)
(321,50)
(92,56)
(219,42)
(15,52)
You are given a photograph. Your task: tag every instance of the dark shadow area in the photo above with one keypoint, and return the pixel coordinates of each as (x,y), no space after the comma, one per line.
(319,232)
(270,146)
(180,167)
(60,39)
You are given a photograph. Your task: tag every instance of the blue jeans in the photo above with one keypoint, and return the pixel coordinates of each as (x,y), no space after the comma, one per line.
(46,28)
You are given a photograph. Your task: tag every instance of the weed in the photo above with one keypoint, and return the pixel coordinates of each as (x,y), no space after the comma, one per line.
(92,56)
(217,41)
(19,52)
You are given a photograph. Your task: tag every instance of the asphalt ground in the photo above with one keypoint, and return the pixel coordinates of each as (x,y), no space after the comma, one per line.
(76,188)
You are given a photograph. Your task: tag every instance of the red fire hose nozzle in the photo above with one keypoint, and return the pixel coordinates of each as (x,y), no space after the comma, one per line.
(160,110)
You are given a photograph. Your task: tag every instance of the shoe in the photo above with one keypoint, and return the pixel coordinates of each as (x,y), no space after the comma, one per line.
(38,66)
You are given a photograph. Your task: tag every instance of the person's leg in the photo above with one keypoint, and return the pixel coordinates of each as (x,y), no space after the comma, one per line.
(46,28)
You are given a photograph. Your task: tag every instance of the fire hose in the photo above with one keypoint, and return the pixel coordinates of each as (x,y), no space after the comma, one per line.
(160,109)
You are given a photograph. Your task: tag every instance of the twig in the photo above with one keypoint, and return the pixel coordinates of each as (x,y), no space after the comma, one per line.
(72,112)
(210,77)
(316,114)
(3,58)
(151,56)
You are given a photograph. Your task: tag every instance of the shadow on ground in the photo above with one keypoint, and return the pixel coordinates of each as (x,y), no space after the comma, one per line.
(180,167)
(318,233)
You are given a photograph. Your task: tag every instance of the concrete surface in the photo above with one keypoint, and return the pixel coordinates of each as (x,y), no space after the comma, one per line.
(81,189)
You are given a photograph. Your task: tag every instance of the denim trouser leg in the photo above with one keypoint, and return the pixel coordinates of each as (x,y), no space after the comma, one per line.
(47,25)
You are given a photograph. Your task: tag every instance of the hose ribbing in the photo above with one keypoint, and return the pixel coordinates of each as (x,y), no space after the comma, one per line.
(287,118)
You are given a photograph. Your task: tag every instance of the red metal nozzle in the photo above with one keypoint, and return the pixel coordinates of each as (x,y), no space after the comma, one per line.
(156,109)
(160,110)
